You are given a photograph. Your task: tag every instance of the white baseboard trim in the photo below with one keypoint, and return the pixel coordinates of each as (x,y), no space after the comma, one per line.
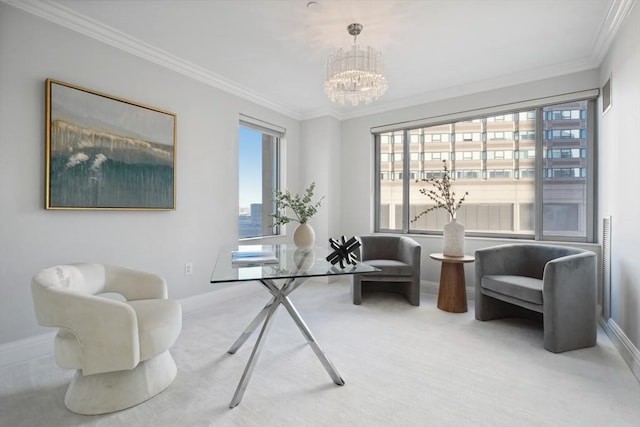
(26,349)
(623,344)
(630,353)
(223,294)
(428,287)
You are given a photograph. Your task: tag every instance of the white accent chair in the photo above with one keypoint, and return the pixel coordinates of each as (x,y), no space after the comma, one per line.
(119,348)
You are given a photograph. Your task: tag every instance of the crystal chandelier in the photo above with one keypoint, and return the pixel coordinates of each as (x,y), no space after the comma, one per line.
(355,75)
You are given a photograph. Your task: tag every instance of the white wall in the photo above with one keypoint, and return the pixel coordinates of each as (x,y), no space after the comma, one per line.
(31,50)
(618,187)
(320,153)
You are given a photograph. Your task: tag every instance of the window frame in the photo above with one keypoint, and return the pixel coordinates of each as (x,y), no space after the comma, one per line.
(539,135)
(279,134)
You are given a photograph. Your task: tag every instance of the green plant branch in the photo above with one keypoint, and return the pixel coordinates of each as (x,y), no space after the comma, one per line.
(302,206)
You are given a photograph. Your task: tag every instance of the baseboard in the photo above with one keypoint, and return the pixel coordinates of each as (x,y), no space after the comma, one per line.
(26,349)
(623,344)
(31,348)
(428,287)
(223,294)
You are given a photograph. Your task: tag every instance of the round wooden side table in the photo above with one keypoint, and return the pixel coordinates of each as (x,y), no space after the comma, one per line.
(452,295)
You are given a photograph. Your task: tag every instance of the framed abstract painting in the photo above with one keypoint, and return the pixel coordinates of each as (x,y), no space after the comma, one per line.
(107,153)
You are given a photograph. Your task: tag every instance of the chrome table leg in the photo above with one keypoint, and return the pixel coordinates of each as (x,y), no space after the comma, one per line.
(257,348)
(328,366)
(266,315)
(252,327)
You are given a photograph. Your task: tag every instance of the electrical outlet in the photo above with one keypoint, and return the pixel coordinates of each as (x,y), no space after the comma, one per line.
(188,269)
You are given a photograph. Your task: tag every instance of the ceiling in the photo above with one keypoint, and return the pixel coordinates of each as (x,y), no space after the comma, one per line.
(274,52)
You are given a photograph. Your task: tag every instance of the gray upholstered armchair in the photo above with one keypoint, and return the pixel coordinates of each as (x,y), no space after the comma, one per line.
(398,258)
(557,282)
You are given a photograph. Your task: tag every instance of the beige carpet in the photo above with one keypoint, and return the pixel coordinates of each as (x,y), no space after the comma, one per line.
(403,366)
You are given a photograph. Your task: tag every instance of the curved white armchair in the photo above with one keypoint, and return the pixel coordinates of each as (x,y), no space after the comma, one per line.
(119,348)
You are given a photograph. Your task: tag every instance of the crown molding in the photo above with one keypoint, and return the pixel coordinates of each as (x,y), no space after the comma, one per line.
(56,13)
(497,82)
(89,27)
(322,112)
(618,11)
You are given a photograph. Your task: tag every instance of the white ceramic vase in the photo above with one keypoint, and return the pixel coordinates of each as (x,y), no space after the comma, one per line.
(304,236)
(453,238)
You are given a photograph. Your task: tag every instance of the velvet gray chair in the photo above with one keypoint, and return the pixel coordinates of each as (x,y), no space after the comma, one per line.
(119,347)
(529,280)
(398,258)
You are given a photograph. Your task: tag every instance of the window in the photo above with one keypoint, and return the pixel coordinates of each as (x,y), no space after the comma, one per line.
(258,177)
(468,137)
(436,137)
(499,135)
(527,115)
(527,134)
(512,191)
(467,155)
(467,174)
(565,134)
(566,115)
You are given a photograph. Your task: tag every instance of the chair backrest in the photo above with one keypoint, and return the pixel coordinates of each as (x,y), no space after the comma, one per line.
(537,257)
(523,259)
(379,247)
(84,278)
(50,285)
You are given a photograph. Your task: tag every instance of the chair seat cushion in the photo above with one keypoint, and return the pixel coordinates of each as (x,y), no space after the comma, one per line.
(390,267)
(521,287)
(159,324)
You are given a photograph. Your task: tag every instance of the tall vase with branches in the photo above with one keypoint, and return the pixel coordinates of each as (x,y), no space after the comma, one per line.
(303,208)
(442,194)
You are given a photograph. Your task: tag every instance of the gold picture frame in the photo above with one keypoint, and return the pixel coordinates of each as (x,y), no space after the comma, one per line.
(107,153)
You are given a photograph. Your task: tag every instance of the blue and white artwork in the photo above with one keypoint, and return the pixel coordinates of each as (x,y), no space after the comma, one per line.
(107,153)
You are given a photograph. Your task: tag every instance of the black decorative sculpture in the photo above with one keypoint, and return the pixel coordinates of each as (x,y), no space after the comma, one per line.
(343,251)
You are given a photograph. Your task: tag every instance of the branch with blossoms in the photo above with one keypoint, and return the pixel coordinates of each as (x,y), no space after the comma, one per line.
(441,194)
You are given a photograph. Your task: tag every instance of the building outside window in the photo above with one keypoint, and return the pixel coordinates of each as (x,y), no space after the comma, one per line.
(258,178)
(512,192)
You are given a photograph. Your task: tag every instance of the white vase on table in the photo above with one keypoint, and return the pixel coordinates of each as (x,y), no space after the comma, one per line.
(453,238)
(304,236)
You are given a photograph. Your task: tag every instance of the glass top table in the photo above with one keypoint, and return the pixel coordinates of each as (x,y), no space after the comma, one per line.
(291,263)
(281,269)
